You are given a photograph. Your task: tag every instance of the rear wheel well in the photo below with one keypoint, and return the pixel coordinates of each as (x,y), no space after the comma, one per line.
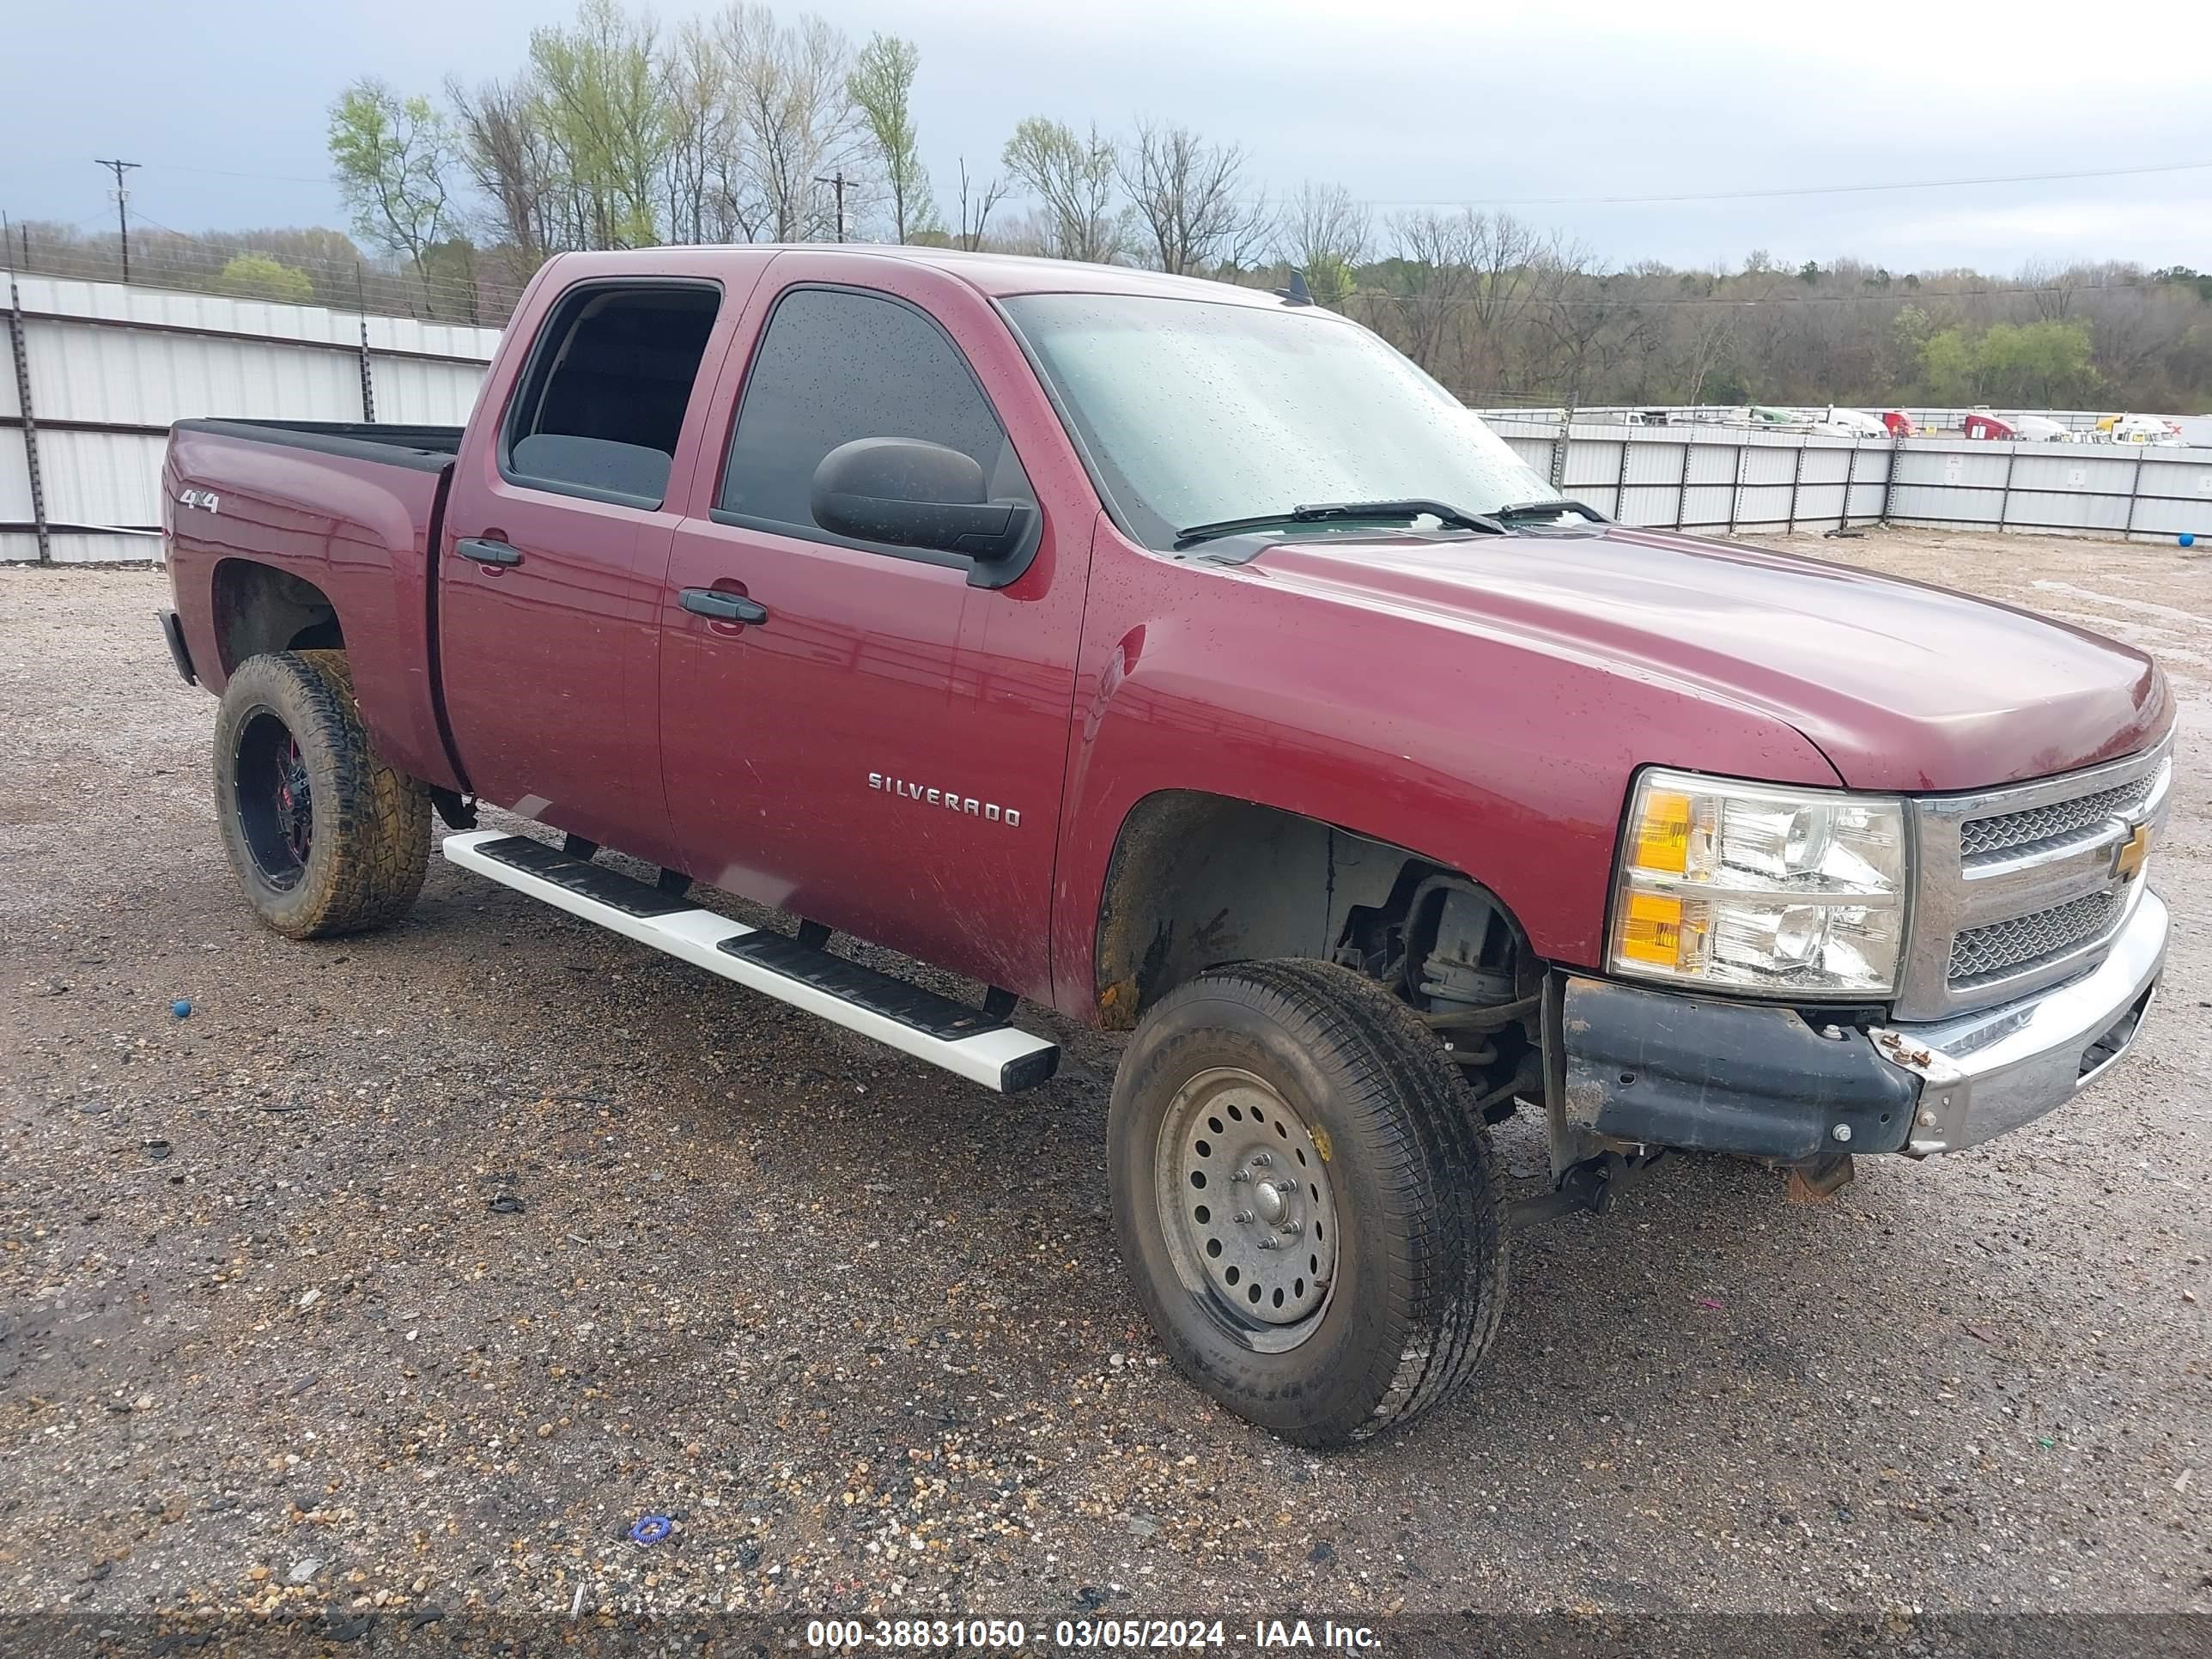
(260,609)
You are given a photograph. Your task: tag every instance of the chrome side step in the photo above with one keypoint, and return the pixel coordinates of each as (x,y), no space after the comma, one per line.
(970,1042)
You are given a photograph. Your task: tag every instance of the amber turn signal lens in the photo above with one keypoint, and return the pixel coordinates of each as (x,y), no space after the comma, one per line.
(1663,832)
(1652,930)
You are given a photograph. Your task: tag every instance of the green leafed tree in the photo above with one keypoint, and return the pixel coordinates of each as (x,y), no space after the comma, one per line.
(1951,366)
(1072,176)
(881,87)
(605,108)
(2048,363)
(257,277)
(394,158)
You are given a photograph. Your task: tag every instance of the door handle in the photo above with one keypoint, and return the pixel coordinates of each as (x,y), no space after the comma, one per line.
(722,607)
(484,552)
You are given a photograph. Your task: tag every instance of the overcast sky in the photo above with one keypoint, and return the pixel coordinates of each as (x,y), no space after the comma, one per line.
(1404,101)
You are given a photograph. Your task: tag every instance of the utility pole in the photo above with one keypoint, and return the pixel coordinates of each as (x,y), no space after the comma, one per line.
(837,182)
(122,206)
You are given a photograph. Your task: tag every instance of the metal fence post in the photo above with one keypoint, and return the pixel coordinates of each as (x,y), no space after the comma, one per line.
(1560,446)
(367,379)
(19,350)
(1735,496)
(1797,477)
(1888,479)
(1851,477)
(1620,483)
(2134,489)
(2004,495)
(1682,489)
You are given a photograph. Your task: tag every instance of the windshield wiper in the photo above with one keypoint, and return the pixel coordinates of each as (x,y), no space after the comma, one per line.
(1328,512)
(1521,512)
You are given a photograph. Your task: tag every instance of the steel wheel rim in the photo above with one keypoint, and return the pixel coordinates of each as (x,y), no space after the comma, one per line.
(1247,1206)
(274,804)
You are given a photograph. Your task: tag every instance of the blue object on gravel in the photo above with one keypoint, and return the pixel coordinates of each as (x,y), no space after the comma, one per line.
(2188,540)
(182,1008)
(651,1528)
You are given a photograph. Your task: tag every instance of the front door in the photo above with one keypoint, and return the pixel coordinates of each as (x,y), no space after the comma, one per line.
(556,551)
(881,749)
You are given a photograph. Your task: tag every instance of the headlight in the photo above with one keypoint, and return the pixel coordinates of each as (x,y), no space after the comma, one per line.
(1747,887)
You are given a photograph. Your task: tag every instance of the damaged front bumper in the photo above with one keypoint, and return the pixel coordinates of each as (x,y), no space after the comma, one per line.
(1984,1074)
(1657,1069)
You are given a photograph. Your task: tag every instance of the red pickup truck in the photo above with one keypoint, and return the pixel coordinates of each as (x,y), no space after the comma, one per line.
(1179,657)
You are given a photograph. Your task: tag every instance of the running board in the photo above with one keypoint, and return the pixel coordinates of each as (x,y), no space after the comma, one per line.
(968,1040)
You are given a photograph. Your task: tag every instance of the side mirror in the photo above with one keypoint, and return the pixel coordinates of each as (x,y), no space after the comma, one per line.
(912,494)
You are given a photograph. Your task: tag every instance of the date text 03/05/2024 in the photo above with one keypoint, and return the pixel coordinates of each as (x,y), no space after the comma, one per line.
(1108,1635)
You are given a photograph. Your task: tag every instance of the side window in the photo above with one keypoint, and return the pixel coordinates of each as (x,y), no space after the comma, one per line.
(603,399)
(836,366)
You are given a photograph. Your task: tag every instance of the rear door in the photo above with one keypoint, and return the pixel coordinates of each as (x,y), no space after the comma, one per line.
(556,549)
(883,749)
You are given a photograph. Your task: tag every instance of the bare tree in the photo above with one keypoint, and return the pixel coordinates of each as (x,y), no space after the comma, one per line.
(1073,177)
(504,151)
(791,101)
(1429,284)
(1327,235)
(699,133)
(1185,190)
(986,197)
(2050,288)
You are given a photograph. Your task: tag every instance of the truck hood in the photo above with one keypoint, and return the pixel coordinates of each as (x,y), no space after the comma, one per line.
(1901,685)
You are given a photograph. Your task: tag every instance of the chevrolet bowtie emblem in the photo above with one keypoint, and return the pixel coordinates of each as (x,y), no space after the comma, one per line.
(2127,862)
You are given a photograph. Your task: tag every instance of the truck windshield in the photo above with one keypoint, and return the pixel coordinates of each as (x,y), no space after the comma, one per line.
(1196,412)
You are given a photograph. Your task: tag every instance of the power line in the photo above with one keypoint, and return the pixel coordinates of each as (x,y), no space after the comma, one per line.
(1799,189)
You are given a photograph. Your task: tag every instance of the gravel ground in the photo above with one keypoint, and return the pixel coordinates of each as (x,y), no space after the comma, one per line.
(409,1270)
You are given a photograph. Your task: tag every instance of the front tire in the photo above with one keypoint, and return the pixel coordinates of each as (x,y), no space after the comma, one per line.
(1308,1206)
(322,834)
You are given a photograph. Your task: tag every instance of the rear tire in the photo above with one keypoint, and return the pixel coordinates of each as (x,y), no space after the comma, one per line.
(322,836)
(1233,1087)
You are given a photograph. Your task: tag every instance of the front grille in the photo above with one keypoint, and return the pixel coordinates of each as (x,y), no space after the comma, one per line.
(1987,952)
(2059,822)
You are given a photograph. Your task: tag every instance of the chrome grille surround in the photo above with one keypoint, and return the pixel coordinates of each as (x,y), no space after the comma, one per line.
(2014,888)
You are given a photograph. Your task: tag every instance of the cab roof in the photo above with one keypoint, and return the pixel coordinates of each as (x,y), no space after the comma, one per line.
(995,274)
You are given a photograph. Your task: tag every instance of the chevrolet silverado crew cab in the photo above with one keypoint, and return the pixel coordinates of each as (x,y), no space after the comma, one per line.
(1178,657)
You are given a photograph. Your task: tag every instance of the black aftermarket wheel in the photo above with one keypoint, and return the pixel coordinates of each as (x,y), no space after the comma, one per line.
(1305,1200)
(324,837)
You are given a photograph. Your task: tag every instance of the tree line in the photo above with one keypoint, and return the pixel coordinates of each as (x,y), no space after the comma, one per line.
(746,126)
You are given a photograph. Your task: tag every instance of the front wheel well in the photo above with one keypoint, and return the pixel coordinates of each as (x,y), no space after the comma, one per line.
(1199,880)
(260,609)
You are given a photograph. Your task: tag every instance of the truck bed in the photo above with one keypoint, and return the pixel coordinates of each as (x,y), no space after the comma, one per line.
(351,511)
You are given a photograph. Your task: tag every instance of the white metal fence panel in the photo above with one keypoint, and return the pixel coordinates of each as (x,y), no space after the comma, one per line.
(131,377)
(415,392)
(111,367)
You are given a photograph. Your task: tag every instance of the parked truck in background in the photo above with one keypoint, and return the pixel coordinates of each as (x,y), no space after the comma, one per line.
(1180,657)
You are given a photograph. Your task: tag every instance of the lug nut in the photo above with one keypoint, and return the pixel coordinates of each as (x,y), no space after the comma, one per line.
(1240,1175)
(1271,1243)
(1841,1132)
(1246,1216)
(1294,1227)
(1261,1160)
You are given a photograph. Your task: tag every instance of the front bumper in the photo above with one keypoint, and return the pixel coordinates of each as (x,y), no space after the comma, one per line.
(1987,1072)
(1657,1068)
